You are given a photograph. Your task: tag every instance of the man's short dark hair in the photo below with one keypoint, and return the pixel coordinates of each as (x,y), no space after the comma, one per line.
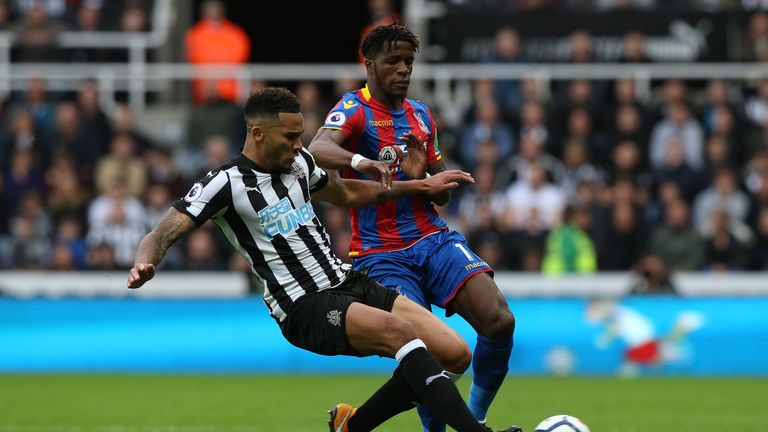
(270,102)
(384,37)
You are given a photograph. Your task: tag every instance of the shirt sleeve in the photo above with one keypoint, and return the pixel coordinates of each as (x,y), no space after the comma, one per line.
(316,176)
(348,117)
(208,198)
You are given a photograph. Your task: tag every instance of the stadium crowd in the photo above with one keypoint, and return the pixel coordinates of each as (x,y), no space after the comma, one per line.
(581,176)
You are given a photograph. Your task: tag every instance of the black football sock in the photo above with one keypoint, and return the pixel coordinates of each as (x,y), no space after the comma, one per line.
(394,397)
(435,388)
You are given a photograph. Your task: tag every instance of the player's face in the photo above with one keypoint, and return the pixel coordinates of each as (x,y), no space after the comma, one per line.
(282,141)
(392,70)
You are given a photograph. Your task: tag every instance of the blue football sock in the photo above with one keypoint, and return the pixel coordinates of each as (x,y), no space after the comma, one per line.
(490,363)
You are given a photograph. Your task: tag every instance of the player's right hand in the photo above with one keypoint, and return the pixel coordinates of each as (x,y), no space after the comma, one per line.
(140,273)
(446,180)
(376,170)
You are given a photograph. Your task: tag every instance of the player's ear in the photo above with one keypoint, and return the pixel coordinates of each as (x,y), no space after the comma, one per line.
(368,65)
(256,132)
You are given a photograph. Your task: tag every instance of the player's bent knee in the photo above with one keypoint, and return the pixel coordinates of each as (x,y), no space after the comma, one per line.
(458,360)
(499,326)
(396,332)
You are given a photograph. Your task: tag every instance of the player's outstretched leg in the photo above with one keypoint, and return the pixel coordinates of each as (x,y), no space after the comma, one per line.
(373,331)
(483,306)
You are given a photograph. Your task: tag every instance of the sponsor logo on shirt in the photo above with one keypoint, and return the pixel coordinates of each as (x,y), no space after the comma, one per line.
(281,218)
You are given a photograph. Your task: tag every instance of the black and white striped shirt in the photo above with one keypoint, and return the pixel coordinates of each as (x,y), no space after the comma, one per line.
(269,219)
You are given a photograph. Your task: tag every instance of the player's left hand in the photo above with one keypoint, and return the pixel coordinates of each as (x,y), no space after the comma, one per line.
(446,180)
(414,165)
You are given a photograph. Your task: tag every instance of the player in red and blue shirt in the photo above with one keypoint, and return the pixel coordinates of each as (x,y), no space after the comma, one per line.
(377,133)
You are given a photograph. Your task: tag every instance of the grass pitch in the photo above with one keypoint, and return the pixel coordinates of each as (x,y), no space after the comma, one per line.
(192,403)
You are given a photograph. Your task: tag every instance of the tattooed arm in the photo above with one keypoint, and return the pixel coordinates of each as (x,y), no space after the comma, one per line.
(153,247)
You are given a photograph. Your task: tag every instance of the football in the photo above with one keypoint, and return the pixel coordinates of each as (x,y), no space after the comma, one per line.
(388,155)
(561,423)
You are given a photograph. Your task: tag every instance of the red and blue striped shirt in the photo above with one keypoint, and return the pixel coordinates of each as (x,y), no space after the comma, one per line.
(368,127)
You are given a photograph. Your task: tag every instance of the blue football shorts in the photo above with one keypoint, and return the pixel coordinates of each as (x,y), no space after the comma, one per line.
(429,272)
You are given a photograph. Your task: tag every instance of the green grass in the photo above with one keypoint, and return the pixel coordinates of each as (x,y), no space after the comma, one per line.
(149,403)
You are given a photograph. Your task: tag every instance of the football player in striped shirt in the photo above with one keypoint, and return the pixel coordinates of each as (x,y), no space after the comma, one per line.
(261,201)
(404,244)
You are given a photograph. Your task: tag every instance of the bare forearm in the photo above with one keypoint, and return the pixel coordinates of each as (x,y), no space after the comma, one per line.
(150,249)
(330,155)
(364,193)
(154,245)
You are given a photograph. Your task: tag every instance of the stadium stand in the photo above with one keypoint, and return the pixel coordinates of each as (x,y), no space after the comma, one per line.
(656,141)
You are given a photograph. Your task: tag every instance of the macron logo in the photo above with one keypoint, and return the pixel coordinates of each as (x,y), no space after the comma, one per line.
(434,377)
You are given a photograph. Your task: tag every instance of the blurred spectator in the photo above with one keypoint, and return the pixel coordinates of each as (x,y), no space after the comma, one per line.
(531,152)
(633,48)
(651,276)
(507,50)
(674,91)
(629,126)
(30,229)
(678,245)
(120,232)
(667,191)
(724,195)
(676,169)
(20,136)
(569,247)
(478,194)
(533,121)
(486,127)
(581,131)
(123,124)
(577,170)
(202,254)
(759,252)
(579,95)
(380,12)
(581,48)
(90,19)
(36,34)
(216,40)
(158,200)
(216,151)
(69,235)
(37,102)
(94,123)
(21,177)
(162,171)
(101,257)
(678,127)
(489,246)
(121,165)
(100,211)
(626,163)
(756,43)
(625,239)
(533,192)
(756,107)
(214,116)
(66,198)
(134,20)
(312,101)
(5,15)
(68,137)
(724,252)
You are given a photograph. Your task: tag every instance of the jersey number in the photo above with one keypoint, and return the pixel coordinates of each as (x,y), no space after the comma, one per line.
(463,250)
